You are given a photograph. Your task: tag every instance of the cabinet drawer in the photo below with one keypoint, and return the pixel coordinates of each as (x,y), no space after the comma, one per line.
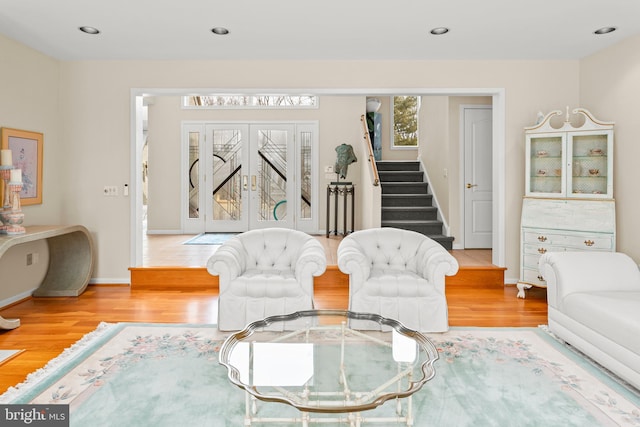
(533,277)
(587,242)
(542,237)
(541,249)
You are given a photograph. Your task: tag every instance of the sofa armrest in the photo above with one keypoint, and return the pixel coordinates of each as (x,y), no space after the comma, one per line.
(589,271)
(311,260)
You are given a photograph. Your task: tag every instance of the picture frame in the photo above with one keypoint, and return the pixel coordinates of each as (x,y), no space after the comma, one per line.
(26,153)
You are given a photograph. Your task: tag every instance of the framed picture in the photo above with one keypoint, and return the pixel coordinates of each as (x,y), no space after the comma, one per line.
(26,154)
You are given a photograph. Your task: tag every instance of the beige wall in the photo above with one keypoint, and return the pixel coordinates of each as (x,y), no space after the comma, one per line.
(609,88)
(95,99)
(93,120)
(29,100)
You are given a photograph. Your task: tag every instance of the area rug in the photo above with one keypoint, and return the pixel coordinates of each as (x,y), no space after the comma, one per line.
(210,239)
(132,374)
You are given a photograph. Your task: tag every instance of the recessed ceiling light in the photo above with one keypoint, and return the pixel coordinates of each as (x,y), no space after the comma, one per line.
(89,30)
(221,31)
(439,31)
(604,30)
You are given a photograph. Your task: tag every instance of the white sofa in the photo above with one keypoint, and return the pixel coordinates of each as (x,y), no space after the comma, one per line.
(398,274)
(594,305)
(264,273)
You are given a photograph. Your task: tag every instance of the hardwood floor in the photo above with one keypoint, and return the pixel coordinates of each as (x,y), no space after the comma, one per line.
(49,325)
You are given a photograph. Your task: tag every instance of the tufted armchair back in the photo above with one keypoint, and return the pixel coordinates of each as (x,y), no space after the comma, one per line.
(388,248)
(270,249)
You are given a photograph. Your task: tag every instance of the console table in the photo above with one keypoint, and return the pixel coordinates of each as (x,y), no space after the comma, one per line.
(71,260)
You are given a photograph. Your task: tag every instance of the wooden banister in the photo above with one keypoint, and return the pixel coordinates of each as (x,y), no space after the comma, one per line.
(372,160)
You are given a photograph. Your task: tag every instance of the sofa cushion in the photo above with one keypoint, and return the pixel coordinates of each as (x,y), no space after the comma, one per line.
(614,314)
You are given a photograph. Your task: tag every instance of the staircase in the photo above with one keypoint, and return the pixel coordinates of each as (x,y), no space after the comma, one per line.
(406,203)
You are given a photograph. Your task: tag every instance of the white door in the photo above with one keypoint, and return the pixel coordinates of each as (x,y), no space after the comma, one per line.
(252,176)
(478,195)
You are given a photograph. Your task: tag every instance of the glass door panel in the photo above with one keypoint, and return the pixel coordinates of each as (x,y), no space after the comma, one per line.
(271,176)
(546,171)
(590,161)
(225,178)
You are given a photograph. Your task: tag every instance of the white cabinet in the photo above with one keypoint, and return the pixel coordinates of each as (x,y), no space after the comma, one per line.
(569,202)
(569,161)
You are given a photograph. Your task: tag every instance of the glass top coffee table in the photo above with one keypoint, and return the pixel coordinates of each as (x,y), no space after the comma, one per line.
(329,362)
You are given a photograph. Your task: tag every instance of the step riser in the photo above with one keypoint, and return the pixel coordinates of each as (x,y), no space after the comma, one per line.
(397,176)
(404,188)
(426,229)
(390,215)
(156,279)
(401,201)
(398,166)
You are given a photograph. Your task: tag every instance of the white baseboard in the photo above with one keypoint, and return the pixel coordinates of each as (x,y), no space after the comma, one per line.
(166,232)
(16,298)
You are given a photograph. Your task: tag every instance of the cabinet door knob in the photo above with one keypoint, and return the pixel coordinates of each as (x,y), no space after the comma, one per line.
(541,278)
(589,242)
(542,250)
(471,185)
(542,239)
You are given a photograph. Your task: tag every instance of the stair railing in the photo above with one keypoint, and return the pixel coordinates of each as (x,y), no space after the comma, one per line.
(372,160)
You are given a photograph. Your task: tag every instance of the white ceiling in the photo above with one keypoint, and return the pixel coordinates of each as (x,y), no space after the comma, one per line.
(321,30)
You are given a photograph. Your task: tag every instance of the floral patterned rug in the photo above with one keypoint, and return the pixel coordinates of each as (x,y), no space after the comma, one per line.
(130,374)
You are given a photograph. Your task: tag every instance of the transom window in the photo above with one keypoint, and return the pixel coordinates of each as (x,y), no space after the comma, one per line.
(250,101)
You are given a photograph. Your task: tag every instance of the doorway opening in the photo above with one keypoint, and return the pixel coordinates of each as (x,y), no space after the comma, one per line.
(498,171)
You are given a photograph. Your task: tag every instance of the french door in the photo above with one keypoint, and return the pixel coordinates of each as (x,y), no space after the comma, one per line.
(245,176)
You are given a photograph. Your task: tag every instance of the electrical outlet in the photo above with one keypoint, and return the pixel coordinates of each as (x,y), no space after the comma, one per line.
(328,169)
(110,190)
(33,258)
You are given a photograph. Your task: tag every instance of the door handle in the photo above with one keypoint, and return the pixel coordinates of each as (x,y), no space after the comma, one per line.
(245,182)
(253,183)
(471,185)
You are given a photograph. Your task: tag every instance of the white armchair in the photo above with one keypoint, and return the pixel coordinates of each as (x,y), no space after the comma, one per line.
(398,274)
(264,273)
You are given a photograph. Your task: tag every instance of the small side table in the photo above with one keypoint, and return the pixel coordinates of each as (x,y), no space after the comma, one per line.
(336,189)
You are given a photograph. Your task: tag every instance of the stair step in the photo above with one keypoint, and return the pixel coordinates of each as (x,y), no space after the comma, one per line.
(401,176)
(445,241)
(404,187)
(393,213)
(390,200)
(395,166)
(427,227)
